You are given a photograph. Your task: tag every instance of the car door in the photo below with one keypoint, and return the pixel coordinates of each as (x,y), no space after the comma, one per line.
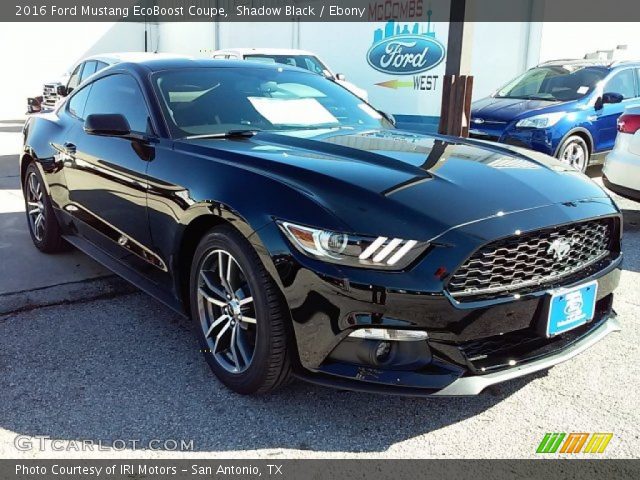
(105,175)
(623,83)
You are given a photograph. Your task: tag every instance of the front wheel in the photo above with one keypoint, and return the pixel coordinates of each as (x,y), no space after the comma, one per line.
(574,152)
(239,313)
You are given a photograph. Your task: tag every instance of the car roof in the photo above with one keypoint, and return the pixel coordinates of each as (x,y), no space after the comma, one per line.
(120,57)
(608,64)
(177,62)
(264,51)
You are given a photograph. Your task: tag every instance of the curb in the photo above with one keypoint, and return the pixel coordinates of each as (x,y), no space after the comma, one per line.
(65,293)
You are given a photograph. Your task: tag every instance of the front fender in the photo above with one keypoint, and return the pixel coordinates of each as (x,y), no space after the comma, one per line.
(189,193)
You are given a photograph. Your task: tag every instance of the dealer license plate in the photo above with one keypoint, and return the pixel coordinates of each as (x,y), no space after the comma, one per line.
(571,307)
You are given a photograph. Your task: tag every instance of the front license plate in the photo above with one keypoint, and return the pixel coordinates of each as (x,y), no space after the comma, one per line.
(571,307)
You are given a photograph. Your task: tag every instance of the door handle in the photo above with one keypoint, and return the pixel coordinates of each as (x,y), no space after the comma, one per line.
(69,148)
(67,154)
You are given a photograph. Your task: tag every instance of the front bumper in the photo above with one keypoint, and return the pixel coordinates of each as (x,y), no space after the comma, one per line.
(495,339)
(541,140)
(475,384)
(456,368)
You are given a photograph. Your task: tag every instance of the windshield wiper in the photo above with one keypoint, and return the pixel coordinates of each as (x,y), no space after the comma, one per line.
(330,126)
(541,97)
(230,134)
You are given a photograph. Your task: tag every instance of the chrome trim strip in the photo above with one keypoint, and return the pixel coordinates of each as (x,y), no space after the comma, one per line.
(475,385)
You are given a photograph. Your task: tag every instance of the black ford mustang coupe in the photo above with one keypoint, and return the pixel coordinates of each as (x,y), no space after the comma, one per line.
(306,236)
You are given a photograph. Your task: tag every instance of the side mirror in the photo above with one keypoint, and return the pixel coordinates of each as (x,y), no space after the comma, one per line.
(61,91)
(341,77)
(388,117)
(111,124)
(612,97)
(609,97)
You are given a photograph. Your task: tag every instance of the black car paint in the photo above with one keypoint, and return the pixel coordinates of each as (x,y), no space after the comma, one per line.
(136,204)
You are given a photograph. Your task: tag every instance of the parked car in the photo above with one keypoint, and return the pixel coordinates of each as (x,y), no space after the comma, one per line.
(621,171)
(55,91)
(306,236)
(566,108)
(295,58)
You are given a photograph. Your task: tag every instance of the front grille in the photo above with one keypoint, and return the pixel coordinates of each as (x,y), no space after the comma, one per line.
(513,264)
(483,136)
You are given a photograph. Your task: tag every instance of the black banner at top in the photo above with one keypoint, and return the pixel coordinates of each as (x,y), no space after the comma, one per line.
(319,10)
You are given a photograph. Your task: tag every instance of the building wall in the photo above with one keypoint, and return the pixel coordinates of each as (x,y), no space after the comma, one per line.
(35,53)
(501,51)
(197,39)
(574,40)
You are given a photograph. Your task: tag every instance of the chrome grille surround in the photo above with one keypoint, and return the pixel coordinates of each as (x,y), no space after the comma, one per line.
(506,266)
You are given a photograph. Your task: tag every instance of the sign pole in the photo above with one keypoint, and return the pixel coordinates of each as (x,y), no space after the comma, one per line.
(458,83)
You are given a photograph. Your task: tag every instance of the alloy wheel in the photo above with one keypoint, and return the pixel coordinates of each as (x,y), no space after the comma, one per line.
(226,311)
(575,155)
(35,206)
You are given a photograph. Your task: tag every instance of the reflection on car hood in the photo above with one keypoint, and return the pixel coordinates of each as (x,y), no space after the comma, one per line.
(404,180)
(507,109)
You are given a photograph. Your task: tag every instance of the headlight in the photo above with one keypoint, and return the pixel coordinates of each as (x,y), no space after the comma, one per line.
(541,121)
(353,250)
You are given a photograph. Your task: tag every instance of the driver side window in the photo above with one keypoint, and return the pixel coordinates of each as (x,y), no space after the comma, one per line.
(121,94)
(622,83)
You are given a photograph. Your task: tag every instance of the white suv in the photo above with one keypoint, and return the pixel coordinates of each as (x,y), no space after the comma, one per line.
(621,171)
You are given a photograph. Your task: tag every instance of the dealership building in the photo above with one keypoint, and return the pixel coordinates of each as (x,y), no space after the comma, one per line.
(497,51)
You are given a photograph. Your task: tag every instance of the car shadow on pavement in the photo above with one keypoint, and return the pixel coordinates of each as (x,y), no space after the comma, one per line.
(129,369)
(10,128)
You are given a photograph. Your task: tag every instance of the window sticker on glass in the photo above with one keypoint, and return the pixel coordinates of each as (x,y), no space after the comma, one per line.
(370,111)
(297,111)
(582,90)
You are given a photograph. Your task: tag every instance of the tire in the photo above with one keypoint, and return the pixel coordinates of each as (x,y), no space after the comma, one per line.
(575,152)
(43,225)
(252,318)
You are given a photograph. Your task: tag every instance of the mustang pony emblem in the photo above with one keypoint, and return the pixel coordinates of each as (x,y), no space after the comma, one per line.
(560,248)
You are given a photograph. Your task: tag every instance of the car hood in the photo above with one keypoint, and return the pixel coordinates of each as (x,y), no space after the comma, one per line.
(507,109)
(398,181)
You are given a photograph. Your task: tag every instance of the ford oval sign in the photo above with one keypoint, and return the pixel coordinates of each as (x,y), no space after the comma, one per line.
(406,54)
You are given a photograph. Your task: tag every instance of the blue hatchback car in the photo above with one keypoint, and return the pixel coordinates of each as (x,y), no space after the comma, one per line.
(564,108)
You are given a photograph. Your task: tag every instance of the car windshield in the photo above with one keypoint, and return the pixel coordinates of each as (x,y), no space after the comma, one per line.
(209,101)
(308,62)
(554,83)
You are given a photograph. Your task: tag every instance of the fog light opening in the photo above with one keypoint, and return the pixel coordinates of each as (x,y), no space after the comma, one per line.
(382,352)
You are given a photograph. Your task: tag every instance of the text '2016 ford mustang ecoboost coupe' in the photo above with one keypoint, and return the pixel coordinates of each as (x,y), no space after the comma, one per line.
(306,236)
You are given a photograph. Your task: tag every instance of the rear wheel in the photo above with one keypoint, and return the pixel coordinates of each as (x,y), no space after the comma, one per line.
(43,224)
(239,314)
(575,152)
